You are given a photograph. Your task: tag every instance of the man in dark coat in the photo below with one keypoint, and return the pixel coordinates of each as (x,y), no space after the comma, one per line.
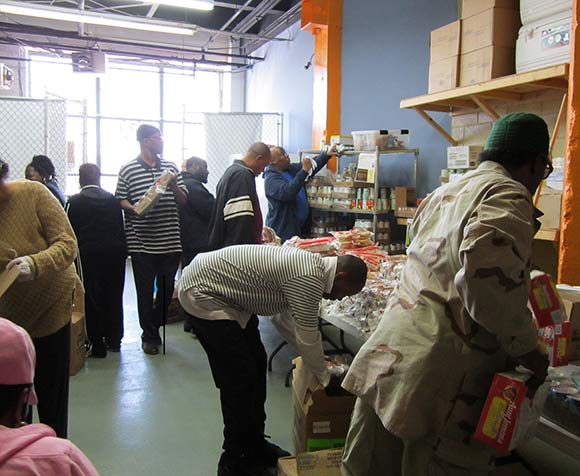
(97,220)
(236,217)
(288,210)
(195,215)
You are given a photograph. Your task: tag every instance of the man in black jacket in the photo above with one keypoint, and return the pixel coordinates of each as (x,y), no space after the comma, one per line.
(236,218)
(195,215)
(97,220)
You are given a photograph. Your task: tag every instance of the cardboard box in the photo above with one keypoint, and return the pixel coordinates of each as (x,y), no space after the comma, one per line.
(405,197)
(509,418)
(571,300)
(555,342)
(445,41)
(485,64)
(473,7)
(287,466)
(318,463)
(493,27)
(463,156)
(320,421)
(78,335)
(7,278)
(547,308)
(444,74)
(550,204)
(154,194)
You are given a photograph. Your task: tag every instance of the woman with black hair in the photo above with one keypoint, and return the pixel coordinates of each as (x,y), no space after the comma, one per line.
(42,170)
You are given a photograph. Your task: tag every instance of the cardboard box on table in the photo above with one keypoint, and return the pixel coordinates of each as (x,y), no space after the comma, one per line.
(78,335)
(317,463)
(320,421)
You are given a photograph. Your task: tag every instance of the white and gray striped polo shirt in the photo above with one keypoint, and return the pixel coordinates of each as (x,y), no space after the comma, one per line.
(260,279)
(158,231)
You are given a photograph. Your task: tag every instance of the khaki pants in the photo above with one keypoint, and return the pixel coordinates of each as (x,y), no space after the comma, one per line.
(372,451)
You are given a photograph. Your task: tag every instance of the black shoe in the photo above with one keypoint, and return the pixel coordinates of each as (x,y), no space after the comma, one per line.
(269,453)
(114,347)
(239,466)
(98,350)
(187,327)
(150,348)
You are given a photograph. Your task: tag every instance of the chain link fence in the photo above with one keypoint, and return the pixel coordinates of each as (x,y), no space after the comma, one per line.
(229,136)
(30,127)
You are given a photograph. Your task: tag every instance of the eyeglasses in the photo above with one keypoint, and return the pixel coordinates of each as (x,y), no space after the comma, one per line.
(549,168)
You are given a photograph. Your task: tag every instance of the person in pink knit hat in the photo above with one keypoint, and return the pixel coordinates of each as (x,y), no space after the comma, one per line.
(29,450)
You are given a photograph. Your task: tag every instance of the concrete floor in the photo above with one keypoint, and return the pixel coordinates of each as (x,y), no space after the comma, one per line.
(135,414)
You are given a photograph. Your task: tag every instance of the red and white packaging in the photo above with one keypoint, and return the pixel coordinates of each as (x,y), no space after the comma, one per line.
(545,301)
(555,341)
(509,418)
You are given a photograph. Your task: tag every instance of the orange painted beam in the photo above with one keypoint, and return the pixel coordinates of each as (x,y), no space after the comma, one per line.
(323,18)
(569,260)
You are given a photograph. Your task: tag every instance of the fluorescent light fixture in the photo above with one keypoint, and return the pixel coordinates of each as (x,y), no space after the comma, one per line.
(206,5)
(61,14)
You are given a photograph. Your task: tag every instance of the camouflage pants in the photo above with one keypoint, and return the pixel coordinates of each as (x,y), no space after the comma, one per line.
(372,451)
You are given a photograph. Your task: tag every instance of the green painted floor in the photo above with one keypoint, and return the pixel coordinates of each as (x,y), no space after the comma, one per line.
(134,414)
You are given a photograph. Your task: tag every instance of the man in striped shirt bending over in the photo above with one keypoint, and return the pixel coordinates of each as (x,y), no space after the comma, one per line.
(153,240)
(225,290)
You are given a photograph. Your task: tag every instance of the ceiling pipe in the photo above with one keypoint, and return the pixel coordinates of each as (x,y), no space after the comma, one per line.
(72,36)
(255,16)
(275,28)
(236,15)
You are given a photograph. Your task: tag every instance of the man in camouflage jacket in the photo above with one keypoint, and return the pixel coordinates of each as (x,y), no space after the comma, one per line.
(458,316)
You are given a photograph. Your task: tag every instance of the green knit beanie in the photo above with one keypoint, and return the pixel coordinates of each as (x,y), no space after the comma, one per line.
(520,131)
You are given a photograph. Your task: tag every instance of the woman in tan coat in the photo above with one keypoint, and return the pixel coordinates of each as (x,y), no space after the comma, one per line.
(36,238)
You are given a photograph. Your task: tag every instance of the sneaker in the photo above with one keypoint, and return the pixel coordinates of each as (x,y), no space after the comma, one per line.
(150,348)
(269,453)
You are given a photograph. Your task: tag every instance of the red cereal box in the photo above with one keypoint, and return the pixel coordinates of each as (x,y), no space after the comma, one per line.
(555,342)
(545,301)
(498,420)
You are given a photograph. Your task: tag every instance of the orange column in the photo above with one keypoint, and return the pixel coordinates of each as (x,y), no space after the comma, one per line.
(569,261)
(323,18)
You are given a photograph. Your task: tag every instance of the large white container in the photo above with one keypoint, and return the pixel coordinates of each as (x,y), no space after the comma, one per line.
(534,10)
(544,43)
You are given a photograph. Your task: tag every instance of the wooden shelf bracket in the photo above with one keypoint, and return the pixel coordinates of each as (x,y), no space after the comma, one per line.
(436,126)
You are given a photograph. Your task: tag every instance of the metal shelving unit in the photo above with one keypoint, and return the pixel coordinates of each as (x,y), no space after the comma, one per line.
(375,185)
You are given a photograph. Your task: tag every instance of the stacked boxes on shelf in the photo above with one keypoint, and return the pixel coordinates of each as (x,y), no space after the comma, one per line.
(478,47)
(489,30)
(444,64)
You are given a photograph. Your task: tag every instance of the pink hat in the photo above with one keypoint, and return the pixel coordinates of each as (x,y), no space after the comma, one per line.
(17,357)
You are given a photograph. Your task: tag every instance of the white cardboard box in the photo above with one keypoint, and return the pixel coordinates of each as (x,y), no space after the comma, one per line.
(463,156)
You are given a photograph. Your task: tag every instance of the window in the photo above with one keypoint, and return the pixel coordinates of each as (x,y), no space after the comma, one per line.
(129,95)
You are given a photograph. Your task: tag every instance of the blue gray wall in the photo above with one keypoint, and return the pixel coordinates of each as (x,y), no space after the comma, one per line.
(385,58)
(281,84)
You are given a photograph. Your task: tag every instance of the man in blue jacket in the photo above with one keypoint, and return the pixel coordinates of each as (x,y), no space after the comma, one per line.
(288,210)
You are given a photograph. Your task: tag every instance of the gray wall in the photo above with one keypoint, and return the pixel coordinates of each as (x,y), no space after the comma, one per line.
(385,58)
(281,84)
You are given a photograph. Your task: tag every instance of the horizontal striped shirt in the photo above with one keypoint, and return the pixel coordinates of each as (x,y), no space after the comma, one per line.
(259,279)
(158,231)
